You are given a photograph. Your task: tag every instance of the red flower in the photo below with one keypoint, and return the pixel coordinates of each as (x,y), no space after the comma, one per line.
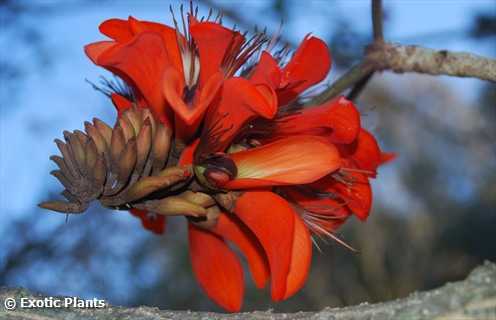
(274,176)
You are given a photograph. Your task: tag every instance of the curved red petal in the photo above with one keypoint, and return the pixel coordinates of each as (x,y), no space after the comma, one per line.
(344,120)
(173,87)
(266,71)
(271,219)
(358,195)
(143,61)
(364,151)
(187,155)
(338,119)
(154,223)
(96,49)
(302,72)
(120,102)
(168,34)
(230,228)
(301,258)
(216,268)
(239,102)
(387,157)
(213,41)
(116,29)
(293,160)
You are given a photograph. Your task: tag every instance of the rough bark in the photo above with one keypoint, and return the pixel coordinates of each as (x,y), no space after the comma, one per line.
(408,58)
(473,298)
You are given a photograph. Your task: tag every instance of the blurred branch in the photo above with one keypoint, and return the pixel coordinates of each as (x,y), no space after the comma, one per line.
(406,58)
(377,27)
(380,56)
(473,298)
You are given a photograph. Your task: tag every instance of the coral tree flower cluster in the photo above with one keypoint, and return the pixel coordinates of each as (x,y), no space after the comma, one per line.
(269,173)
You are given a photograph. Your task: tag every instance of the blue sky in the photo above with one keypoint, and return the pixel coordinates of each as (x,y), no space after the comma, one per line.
(58,98)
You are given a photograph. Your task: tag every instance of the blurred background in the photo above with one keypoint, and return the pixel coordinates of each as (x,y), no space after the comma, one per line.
(434,214)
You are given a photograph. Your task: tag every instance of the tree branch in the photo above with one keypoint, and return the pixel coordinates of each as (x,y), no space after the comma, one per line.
(378,34)
(400,59)
(471,299)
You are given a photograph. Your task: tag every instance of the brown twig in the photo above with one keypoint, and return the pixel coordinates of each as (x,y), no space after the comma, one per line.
(378,33)
(377,20)
(404,58)
(382,56)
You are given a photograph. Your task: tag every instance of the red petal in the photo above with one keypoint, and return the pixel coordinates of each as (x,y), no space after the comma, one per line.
(168,34)
(271,219)
(387,157)
(329,213)
(240,102)
(95,49)
(142,60)
(154,223)
(302,71)
(120,102)
(344,119)
(187,155)
(338,119)
(266,71)
(173,87)
(213,41)
(357,195)
(216,268)
(116,29)
(293,160)
(301,258)
(364,151)
(230,228)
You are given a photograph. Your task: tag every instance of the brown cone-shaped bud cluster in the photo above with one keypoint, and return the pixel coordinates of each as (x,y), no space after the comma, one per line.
(119,166)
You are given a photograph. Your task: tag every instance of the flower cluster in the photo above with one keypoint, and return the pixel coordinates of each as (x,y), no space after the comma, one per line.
(267,172)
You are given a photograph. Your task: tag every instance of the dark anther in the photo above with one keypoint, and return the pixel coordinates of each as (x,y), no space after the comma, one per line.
(189,93)
(220,162)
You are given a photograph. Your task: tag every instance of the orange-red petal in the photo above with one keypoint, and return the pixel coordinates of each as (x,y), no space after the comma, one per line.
(356,193)
(187,155)
(95,49)
(116,29)
(168,34)
(302,71)
(230,228)
(266,71)
(173,87)
(293,160)
(141,60)
(216,268)
(240,101)
(338,119)
(364,152)
(120,102)
(213,41)
(154,223)
(271,219)
(301,258)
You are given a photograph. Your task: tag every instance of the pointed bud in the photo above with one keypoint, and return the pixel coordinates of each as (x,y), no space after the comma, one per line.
(104,130)
(117,145)
(148,185)
(127,128)
(65,207)
(160,149)
(174,206)
(133,116)
(143,143)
